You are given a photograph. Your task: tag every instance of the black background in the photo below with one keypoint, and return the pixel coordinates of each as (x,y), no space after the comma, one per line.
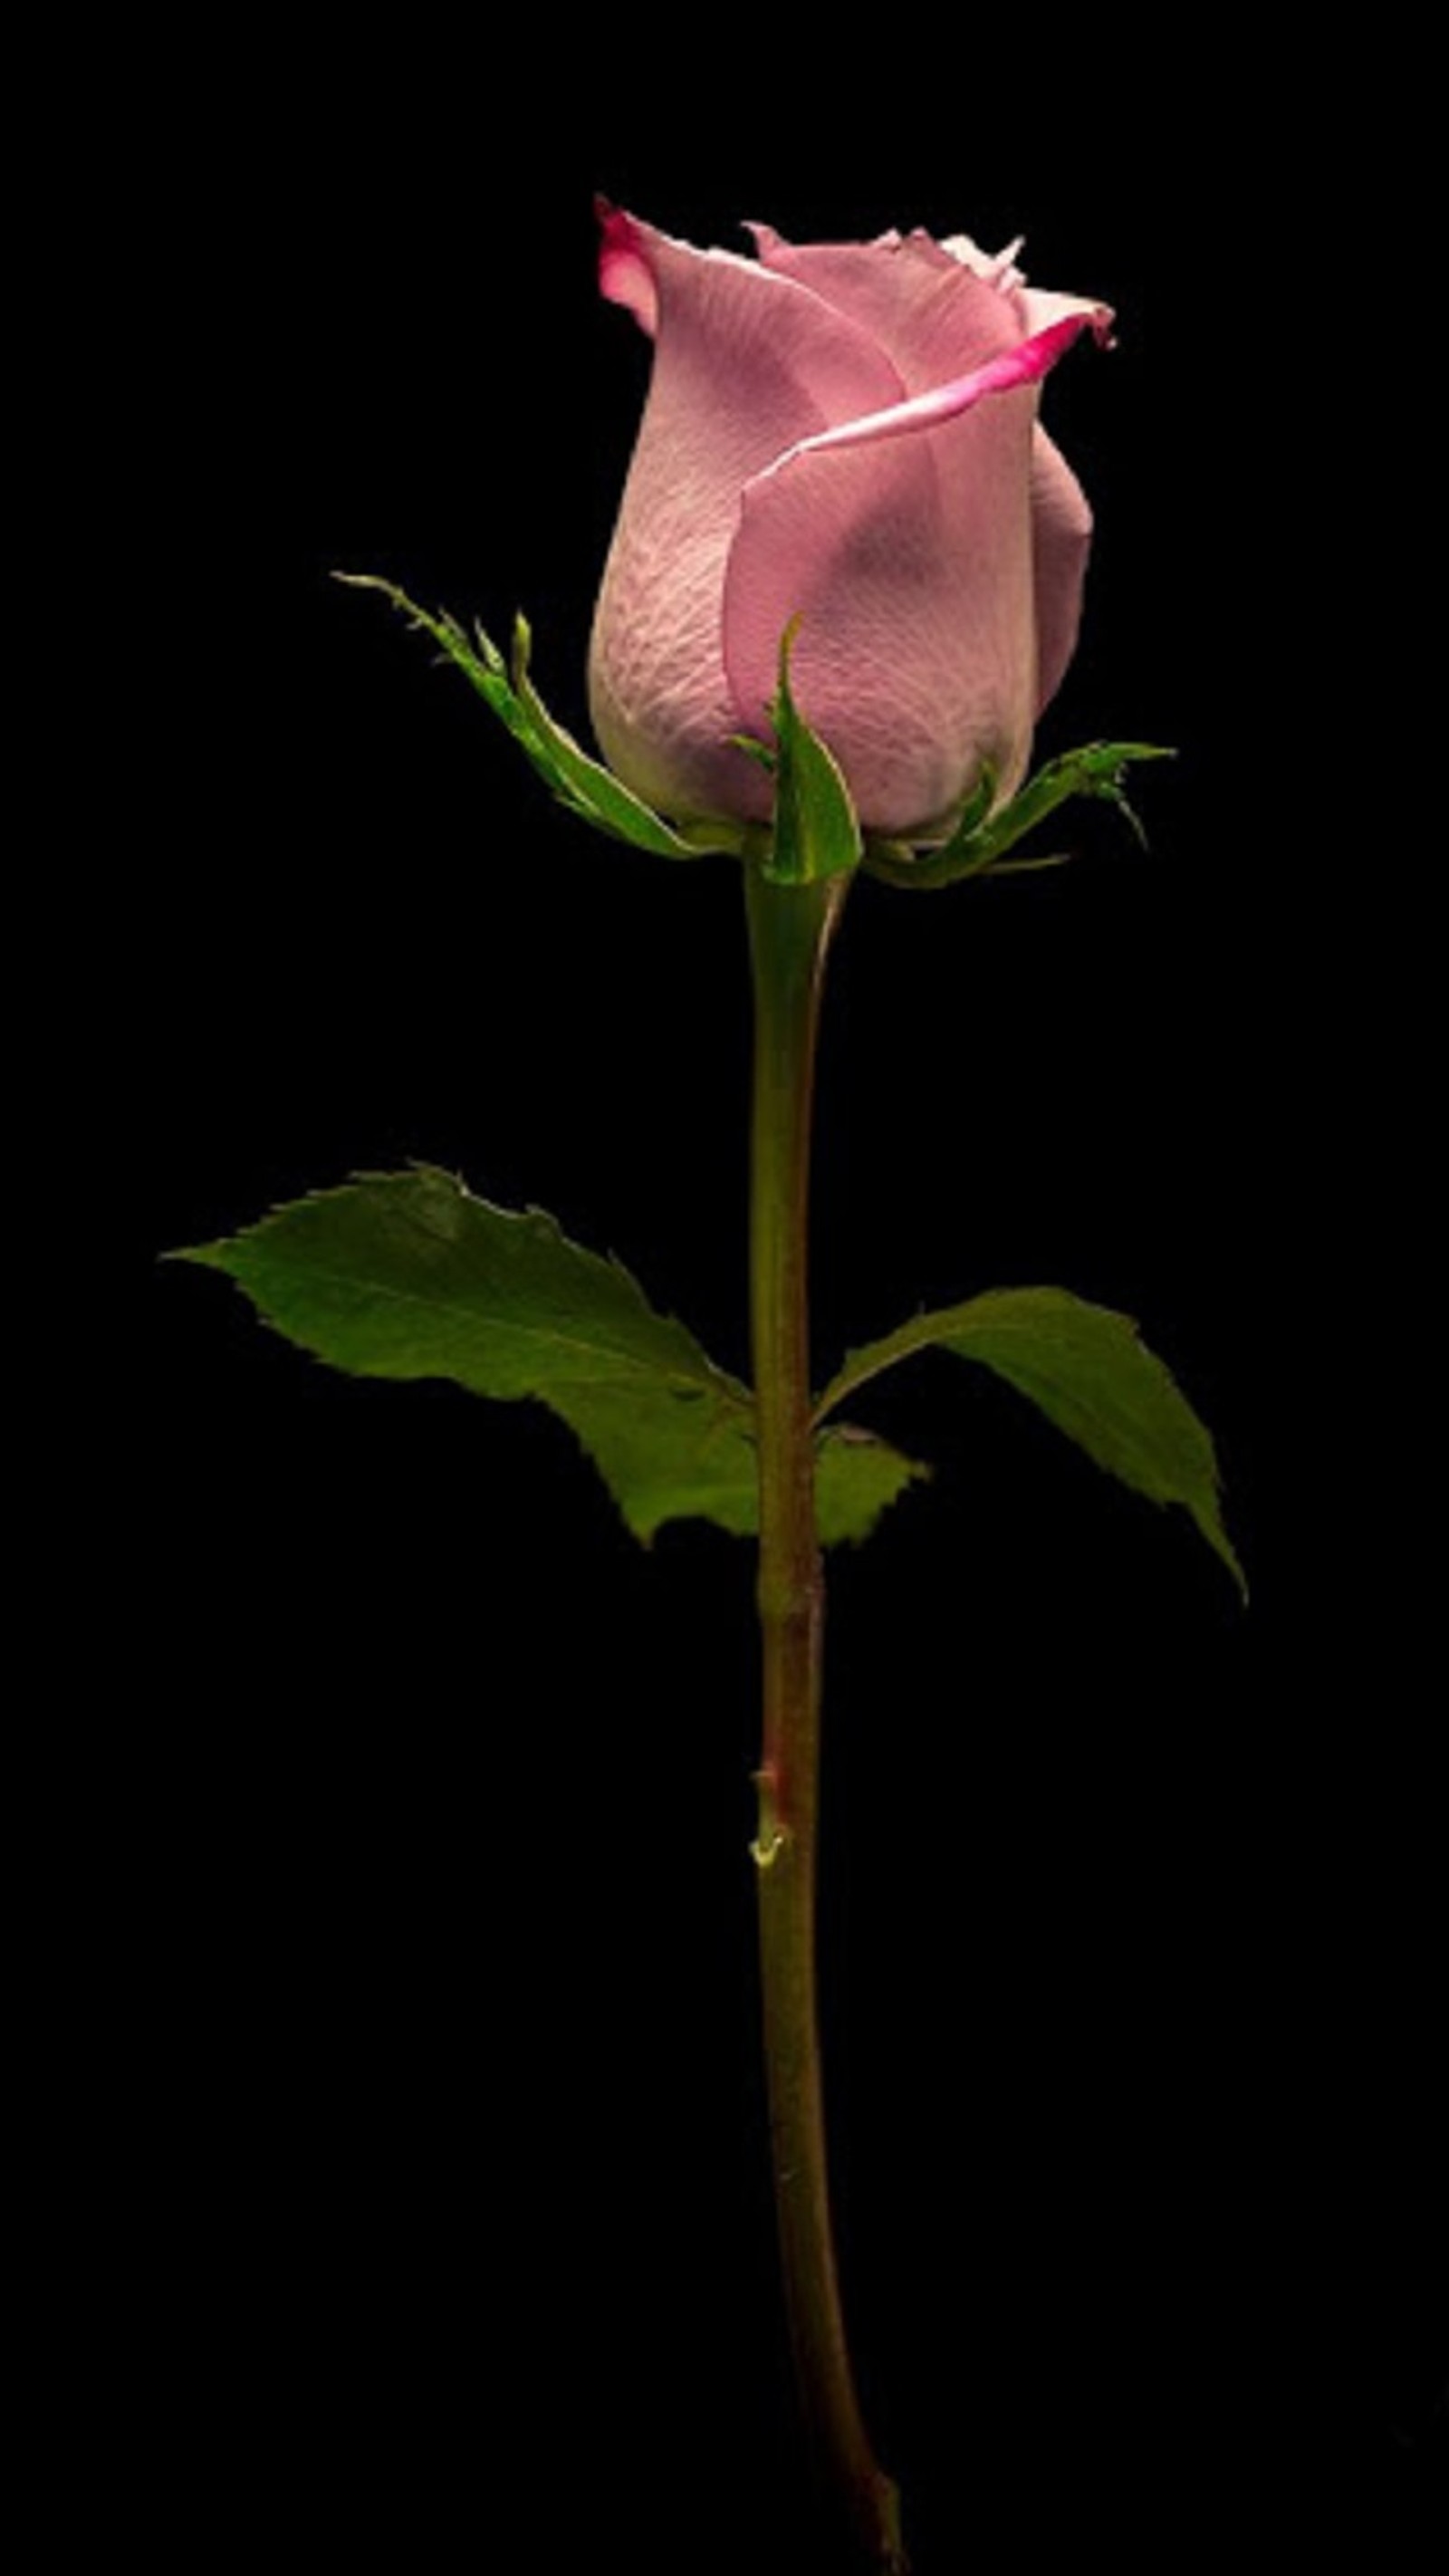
(426,2018)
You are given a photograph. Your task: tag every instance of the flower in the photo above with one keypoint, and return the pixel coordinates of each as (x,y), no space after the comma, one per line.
(843,432)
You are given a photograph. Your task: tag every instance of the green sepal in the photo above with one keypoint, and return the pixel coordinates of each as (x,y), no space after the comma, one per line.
(584,785)
(406,1275)
(1087,1369)
(979,843)
(816,833)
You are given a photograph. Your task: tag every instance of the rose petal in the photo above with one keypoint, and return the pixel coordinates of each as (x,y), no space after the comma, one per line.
(936,317)
(626,274)
(747,366)
(1061,521)
(1041,310)
(903,541)
(997,267)
(1024,364)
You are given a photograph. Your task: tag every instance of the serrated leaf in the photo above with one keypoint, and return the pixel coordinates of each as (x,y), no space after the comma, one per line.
(858,1477)
(670,1455)
(581,783)
(1086,1368)
(406,1275)
(816,833)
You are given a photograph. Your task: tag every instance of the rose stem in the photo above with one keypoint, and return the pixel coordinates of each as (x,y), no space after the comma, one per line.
(790,930)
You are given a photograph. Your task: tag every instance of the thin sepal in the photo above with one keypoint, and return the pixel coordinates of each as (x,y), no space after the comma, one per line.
(980,840)
(816,832)
(582,784)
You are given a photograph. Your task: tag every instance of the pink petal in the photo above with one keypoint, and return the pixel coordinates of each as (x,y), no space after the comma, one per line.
(626,275)
(1040,310)
(903,540)
(997,267)
(1022,365)
(747,366)
(1061,541)
(936,317)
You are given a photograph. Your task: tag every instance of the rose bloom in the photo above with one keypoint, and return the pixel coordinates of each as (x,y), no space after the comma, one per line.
(845,432)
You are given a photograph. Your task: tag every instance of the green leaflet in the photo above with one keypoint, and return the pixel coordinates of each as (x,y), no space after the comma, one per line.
(857,1477)
(1086,1369)
(407,1275)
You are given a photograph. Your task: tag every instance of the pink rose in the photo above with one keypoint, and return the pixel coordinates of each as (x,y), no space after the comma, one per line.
(845,432)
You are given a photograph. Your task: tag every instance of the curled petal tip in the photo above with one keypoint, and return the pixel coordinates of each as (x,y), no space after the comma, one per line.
(626,272)
(1026,364)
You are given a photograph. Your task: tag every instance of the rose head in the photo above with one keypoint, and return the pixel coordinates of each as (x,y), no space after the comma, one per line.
(845,432)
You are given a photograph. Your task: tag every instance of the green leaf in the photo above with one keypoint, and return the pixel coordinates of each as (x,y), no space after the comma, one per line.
(857,1478)
(407,1275)
(816,831)
(584,785)
(981,839)
(1086,1369)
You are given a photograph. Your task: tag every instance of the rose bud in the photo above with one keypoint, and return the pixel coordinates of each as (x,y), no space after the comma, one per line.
(843,432)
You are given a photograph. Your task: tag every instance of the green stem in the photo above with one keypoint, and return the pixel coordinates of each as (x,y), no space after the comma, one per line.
(790,929)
